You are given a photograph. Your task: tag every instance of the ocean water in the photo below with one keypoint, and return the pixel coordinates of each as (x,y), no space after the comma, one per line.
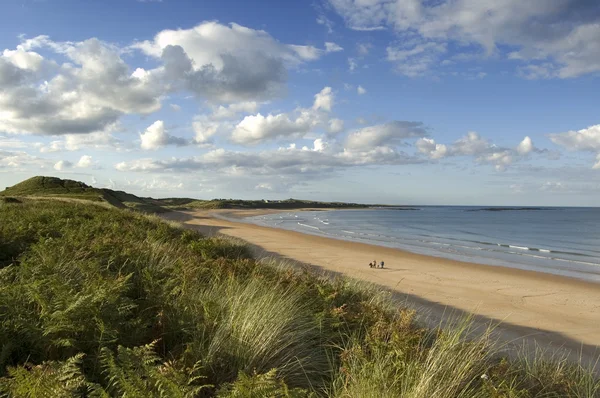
(563,241)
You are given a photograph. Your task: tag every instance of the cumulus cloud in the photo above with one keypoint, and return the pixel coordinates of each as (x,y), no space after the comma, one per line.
(62,164)
(92,86)
(226,62)
(428,147)
(587,139)
(316,161)
(84,162)
(156,137)
(324,100)
(525,146)
(361,90)
(232,110)
(205,129)
(87,94)
(561,35)
(257,128)
(392,133)
(335,126)
(254,129)
(481,149)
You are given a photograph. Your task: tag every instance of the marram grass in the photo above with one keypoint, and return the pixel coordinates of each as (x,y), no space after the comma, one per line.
(100,302)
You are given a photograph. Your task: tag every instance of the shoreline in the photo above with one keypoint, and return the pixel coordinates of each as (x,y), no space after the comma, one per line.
(554,311)
(558,268)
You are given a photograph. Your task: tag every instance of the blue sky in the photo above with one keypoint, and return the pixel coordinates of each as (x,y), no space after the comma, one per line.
(387,101)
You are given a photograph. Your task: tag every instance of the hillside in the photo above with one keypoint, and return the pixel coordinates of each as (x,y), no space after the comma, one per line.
(68,189)
(61,188)
(100,302)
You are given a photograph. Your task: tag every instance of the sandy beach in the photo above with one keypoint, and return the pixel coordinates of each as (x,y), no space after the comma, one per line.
(551,310)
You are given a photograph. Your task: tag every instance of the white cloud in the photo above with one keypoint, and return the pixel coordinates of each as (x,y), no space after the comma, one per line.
(74,142)
(415,59)
(257,128)
(99,140)
(332,47)
(317,161)
(525,146)
(84,162)
(226,63)
(587,139)
(562,34)
(156,137)
(175,107)
(481,149)
(428,147)
(22,161)
(205,129)
(361,90)
(470,144)
(232,110)
(87,94)
(254,129)
(335,126)
(392,133)
(324,100)
(62,164)
(93,87)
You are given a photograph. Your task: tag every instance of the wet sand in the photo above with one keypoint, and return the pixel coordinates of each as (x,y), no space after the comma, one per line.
(552,311)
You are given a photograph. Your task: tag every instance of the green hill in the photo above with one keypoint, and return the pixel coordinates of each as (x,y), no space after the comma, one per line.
(69,189)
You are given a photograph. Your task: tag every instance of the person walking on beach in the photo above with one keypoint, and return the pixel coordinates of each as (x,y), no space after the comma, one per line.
(382,264)
(375,263)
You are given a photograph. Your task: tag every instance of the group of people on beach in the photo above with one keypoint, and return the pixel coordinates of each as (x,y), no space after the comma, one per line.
(375,265)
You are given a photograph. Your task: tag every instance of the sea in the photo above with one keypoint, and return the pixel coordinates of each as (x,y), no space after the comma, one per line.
(559,240)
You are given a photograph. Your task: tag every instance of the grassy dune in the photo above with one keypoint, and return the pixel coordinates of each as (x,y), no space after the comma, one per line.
(100,302)
(68,189)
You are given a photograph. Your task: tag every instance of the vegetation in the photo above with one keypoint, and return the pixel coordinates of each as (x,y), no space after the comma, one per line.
(258,204)
(69,189)
(100,302)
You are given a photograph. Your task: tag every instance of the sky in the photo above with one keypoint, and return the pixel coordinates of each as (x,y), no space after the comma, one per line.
(457,102)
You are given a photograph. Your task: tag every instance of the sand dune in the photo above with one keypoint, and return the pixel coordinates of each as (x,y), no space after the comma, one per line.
(552,310)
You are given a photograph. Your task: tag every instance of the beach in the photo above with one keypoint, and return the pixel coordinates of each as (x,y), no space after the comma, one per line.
(554,311)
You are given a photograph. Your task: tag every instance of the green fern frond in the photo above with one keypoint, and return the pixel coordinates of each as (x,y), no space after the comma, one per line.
(265,385)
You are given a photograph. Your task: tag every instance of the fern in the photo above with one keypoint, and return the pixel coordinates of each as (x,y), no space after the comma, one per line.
(265,385)
(50,379)
(139,372)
